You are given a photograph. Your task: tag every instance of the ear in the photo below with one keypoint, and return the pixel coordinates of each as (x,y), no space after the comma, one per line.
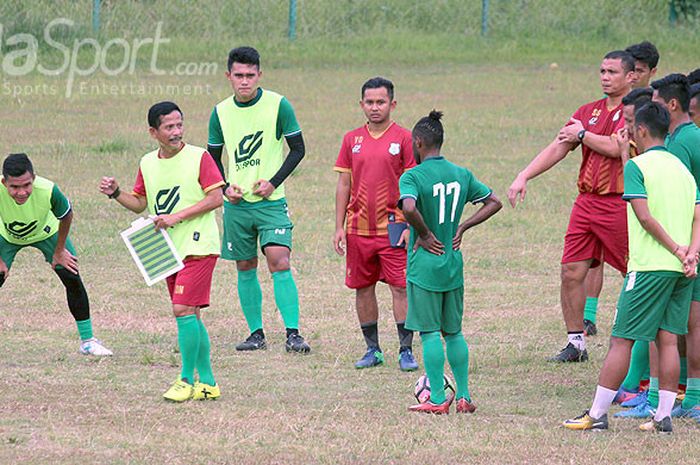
(652,73)
(4,183)
(153,132)
(393,105)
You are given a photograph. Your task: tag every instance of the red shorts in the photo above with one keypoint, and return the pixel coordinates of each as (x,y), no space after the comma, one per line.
(371,259)
(191,285)
(597,228)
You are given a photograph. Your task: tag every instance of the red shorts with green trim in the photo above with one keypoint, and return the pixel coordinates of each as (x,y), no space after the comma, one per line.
(597,228)
(191,285)
(371,259)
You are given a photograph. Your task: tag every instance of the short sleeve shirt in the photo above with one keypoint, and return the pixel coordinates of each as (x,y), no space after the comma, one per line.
(685,144)
(375,164)
(600,174)
(441,189)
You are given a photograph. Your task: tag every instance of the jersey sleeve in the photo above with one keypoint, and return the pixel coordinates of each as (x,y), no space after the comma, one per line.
(634,182)
(60,206)
(287,124)
(209,175)
(478,191)
(407,160)
(343,163)
(216,135)
(408,187)
(139,185)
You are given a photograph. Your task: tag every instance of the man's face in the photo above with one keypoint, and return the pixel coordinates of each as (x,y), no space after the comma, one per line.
(613,78)
(694,110)
(244,81)
(169,133)
(20,187)
(377,105)
(642,75)
(628,114)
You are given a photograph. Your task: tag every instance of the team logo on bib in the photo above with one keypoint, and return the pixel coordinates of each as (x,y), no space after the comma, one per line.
(248,146)
(394,148)
(166,199)
(19,229)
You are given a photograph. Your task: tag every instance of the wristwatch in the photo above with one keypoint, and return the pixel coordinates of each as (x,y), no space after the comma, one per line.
(581,134)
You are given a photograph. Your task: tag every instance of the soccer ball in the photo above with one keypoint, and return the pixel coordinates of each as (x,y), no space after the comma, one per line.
(422,388)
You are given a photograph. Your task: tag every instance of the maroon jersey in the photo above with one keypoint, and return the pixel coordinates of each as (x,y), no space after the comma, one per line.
(599,174)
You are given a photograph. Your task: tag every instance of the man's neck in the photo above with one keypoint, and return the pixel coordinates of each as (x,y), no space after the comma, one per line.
(377,129)
(615,100)
(651,142)
(676,120)
(431,154)
(168,152)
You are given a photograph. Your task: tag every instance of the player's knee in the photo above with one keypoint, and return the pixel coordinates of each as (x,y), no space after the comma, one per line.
(572,273)
(246,265)
(69,279)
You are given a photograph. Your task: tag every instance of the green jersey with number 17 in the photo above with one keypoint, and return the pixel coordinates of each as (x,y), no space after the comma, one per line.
(440,189)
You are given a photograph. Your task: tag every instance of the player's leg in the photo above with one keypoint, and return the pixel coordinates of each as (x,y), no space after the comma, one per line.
(639,367)
(188,336)
(286,296)
(77,297)
(457,348)
(673,322)
(580,247)
(362,273)
(424,315)
(240,243)
(8,252)
(594,285)
(692,393)
(392,261)
(640,308)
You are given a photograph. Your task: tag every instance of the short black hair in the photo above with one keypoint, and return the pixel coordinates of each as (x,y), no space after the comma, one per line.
(695,90)
(626,59)
(655,118)
(377,83)
(694,76)
(16,164)
(638,97)
(674,86)
(429,130)
(645,52)
(160,109)
(244,55)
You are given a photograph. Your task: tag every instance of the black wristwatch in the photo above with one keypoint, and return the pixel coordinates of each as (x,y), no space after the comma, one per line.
(581,134)
(114,194)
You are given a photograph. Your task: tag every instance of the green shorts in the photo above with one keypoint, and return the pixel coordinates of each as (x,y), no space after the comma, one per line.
(8,250)
(652,300)
(245,223)
(434,311)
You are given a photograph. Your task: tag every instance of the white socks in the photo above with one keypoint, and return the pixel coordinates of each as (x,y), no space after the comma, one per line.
(602,401)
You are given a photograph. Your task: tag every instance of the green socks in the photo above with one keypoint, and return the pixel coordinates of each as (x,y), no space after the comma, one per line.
(639,365)
(692,393)
(286,298)
(591,309)
(203,357)
(683,378)
(458,356)
(84,329)
(654,392)
(434,361)
(250,296)
(188,337)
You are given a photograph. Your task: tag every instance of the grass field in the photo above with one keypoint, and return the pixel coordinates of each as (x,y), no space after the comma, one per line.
(61,408)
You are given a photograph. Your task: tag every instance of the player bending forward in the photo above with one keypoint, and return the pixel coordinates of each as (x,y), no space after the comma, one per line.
(433,195)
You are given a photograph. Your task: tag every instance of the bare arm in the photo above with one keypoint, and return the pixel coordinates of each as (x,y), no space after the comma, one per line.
(61,256)
(489,208)
(211,201)
(426,238)
(547,158)
(691,260)
(135,203)
(342,198)
(604,145)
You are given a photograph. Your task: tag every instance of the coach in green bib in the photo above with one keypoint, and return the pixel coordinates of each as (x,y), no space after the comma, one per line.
(254,125)
(35,213)
(180,186)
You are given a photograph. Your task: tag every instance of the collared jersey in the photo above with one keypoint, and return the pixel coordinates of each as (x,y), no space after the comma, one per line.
(685,144)
(175,183)
(440,189)
(671,193)
(375,165)
(37,218)
(600,174)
